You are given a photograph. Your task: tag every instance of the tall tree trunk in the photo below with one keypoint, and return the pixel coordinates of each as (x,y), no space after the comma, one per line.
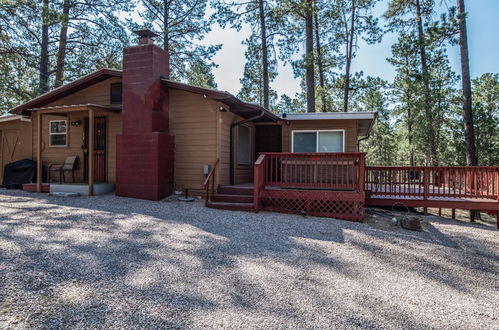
(44,51)
(320,64)
(166,31)
(432,143)
(469,129)
(409,130)
(309,56)
(265,59)
(349,52)
(61,53)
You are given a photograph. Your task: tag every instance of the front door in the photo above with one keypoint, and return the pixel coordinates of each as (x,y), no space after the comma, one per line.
(268,138)
(100,144)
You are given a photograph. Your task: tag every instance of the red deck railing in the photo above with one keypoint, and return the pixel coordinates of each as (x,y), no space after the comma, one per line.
(473,182)
(325,184)
(340,171)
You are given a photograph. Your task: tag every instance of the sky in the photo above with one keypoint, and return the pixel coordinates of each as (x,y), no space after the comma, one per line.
(483,39)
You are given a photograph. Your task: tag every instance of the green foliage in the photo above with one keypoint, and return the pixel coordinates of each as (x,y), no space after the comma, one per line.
(95,38)
(486,117)
(182,25)
(200,75)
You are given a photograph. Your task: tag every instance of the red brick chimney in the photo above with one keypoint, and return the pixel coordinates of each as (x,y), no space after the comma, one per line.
(145,148)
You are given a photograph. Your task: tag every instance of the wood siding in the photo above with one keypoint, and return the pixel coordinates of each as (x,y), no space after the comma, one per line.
(350,127)
(193,122)
(15,142)
(99,93)
(57,155)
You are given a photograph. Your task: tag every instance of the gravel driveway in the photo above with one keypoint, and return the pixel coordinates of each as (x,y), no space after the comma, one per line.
(109,262)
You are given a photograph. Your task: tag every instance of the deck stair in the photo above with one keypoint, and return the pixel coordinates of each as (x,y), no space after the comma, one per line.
(236,198)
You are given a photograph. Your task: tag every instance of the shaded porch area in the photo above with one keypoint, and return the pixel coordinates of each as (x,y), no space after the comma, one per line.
(77,148)
(81,189)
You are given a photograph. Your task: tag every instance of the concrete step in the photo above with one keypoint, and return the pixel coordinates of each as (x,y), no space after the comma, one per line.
(231,206)
(225,198)
(235,190)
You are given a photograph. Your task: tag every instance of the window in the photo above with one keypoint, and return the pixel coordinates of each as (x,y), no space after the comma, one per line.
(318,141)
(116,93)
(243,145)
(58,132)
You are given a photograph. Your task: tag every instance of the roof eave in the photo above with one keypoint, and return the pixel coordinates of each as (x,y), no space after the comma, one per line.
(59,92)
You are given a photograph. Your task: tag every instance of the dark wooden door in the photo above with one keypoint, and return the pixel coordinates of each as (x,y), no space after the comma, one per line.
(268,138)
(100,146)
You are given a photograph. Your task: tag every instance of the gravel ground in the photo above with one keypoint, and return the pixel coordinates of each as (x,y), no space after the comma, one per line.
(109,262)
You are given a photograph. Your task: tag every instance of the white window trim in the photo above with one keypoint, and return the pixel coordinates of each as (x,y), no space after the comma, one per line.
(317,139)
(50,133)
(250,162)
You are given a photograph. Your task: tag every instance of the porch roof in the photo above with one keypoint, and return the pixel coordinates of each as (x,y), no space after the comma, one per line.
(61,109)
(237,106)
(365,120)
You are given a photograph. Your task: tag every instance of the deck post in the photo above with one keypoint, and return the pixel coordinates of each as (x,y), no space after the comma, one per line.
(362,173)
(39,152)
(90,152)
(426,183)
(453,213)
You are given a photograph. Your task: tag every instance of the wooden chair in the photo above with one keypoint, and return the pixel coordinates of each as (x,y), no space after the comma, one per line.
(69,165)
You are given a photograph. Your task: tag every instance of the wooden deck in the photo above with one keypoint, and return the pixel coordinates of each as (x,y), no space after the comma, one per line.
(339,185)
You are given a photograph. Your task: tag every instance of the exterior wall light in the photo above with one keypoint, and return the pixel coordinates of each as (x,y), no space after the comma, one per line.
(76,123)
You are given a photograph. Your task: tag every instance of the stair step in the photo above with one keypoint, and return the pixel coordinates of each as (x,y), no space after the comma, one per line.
(232,190)
(231,206)
(232,198)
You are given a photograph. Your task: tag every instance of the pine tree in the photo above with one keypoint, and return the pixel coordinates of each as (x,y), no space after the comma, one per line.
(260,68)
(182,25)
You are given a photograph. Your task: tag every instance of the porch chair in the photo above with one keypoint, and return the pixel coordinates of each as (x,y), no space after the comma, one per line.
(69,165)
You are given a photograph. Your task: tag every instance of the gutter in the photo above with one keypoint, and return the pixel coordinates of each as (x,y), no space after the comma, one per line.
(231,138)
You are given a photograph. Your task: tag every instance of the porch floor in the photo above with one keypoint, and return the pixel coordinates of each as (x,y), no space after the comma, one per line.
(79,188)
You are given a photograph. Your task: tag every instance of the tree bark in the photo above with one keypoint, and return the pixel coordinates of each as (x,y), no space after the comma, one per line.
(309,56)
(61,53)
(265,59)
(44,51)
(349,52)
(426,86)
(469,130)
(320,64)
(166,32)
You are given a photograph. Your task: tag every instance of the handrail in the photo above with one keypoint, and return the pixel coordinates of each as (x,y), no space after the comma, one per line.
(477,182)
(210,177)
(323,170)
(259,181)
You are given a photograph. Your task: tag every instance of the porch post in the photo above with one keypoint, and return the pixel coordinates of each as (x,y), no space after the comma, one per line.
(90,152)
(39,152)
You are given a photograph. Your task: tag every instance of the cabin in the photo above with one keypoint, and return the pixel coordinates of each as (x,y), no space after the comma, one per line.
(145,136)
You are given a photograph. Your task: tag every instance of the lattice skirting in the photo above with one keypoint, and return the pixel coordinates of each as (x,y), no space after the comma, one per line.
(348,205)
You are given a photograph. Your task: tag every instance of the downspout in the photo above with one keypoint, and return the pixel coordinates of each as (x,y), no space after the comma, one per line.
(231,138)
(364,138)
(368,134)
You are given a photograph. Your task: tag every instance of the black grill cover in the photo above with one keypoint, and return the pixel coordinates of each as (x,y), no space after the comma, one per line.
(19,172)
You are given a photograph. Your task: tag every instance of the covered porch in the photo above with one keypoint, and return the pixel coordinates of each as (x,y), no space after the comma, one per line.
(75,148)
